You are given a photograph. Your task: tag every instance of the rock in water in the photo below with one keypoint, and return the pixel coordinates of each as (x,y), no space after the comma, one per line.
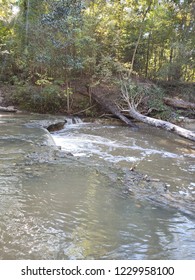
(56,126)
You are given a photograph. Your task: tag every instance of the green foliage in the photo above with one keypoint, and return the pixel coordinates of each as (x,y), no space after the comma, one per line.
(156,103)
(67,39)
(147,96)
(52,99)
(43,80)
(49,99)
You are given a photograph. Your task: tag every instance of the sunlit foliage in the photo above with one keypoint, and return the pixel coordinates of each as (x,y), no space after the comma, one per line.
(70,38)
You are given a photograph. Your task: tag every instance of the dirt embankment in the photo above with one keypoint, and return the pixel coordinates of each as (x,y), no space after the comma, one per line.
(183,90)
(81,100)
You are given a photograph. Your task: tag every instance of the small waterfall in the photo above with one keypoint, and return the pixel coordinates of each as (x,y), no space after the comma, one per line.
(73,120)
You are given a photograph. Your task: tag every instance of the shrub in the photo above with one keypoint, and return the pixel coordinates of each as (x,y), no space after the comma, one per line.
(47,99)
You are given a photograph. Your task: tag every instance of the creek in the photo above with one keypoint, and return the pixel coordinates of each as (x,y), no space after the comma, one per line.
(90,205)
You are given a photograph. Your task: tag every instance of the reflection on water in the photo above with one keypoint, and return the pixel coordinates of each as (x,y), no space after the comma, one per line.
(67,209)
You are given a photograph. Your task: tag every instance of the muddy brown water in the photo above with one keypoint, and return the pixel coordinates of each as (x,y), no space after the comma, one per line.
(86,206)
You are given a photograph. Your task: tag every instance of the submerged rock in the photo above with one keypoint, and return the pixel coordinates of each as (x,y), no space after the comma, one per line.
(143,187)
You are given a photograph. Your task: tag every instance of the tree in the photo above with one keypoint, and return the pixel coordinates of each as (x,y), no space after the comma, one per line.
(6,33)
(64,38)
(63,25)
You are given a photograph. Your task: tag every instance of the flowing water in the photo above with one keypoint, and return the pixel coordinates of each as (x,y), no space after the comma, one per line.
(59,206)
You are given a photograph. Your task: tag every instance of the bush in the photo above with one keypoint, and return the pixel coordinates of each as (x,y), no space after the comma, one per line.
(147,96)
(47,99)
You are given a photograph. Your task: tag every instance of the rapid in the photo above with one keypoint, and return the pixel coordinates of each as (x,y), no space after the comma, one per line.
(82,202)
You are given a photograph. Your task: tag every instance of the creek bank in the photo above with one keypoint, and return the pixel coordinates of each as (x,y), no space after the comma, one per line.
(103,95)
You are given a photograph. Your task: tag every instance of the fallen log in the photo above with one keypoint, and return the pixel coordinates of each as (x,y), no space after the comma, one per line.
(161,124)
(178,103)
(112,108)
(8,109)
(129,97)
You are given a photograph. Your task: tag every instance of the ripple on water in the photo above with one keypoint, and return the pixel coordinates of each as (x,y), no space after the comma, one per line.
(73,209)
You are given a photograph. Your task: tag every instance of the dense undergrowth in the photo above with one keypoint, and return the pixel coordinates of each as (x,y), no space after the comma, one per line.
(55,97)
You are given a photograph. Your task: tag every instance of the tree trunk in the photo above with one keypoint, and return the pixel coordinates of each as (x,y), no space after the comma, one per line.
(8,109)
(162,124)
(113,109)
(178,103)
(147,56)
(139,37)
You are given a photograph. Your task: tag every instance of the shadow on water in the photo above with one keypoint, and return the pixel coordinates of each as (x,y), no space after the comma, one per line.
(90,205)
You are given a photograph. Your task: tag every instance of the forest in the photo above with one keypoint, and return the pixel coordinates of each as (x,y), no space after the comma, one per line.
(48,46)
(97,132)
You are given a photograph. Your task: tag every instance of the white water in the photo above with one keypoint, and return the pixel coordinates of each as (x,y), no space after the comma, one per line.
(78,207)
(151,150)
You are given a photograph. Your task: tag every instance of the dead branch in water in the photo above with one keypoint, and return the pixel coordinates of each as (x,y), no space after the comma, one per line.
(9,109)
(133,113)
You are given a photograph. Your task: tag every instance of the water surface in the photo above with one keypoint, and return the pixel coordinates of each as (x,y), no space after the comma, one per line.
(58,207)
